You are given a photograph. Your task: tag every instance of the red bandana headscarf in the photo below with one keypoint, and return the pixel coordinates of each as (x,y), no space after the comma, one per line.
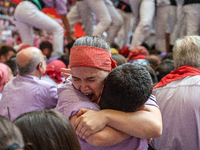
(88,56)
(177,74)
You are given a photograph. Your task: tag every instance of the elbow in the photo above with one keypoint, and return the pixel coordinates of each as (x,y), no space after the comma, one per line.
(158,130)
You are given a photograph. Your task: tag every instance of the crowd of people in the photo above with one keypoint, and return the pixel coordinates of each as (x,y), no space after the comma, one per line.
(106,88)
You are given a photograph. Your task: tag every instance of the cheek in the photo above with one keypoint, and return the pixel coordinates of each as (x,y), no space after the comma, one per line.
(97,88)
(76,85)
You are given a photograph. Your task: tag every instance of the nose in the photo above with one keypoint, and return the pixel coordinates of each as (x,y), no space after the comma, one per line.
(83,87)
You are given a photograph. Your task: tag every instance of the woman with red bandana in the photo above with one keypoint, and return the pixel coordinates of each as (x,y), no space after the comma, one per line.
(90,63)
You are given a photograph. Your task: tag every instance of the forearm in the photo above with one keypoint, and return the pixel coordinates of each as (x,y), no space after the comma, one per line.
(66,24)
(107,137)
(146,123)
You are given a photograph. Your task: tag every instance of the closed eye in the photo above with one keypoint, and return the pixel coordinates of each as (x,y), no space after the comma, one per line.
(75,79)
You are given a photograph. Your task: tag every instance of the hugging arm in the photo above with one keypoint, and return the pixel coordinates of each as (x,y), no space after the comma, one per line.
(106,137)
(145,123)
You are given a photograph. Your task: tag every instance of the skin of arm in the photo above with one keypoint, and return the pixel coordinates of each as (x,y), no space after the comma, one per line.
(144,124)
(66,24)
(106,137)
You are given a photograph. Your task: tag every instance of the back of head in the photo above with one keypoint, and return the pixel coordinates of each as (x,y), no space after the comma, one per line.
(46,47)
(46,44)
(10,135)
(120,59)
(168,56)
(28,59)
(154,60)
(164,68)
(47,130)
(5,53)
(126,88)
(5,49)
(65,59)
(152,73)
(186,51)
(68,48)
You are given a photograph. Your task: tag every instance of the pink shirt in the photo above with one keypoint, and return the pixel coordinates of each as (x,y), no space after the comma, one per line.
(27,93)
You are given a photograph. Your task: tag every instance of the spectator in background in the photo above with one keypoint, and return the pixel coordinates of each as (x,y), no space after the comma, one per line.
(37,94)
(67,48)
(6,52)
(178,97)
(152,73)
(46,48)
(11,137)
(5,76)
(53,73)
(140,52)
(120,59)
(166,66)
(65,59)
(47,130)
(154,60)
(13,65)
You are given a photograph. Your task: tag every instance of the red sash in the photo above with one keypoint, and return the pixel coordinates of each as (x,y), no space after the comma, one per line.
(177,74)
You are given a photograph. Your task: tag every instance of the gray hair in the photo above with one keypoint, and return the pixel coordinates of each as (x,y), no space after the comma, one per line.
(32,64)
(94,41)
(186,51)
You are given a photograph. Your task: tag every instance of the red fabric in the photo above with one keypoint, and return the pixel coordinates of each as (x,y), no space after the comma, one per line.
(94,57)
(53,70)
(177,74)
(23,47)
(51,12)
(140,50)
(139,57)
(16,1)
(124,51)
(78,31)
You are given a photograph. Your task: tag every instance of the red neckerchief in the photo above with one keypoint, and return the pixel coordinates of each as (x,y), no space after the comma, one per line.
(177,74)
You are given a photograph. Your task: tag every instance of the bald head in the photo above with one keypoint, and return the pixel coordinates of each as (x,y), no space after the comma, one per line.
(28,59)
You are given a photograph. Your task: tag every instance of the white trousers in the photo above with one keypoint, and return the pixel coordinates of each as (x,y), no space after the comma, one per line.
(143,14)
(192,17)
(177,30)
(146,17)
(108,17)
(125,31)
(81,11)
(28,16)
(160,25)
